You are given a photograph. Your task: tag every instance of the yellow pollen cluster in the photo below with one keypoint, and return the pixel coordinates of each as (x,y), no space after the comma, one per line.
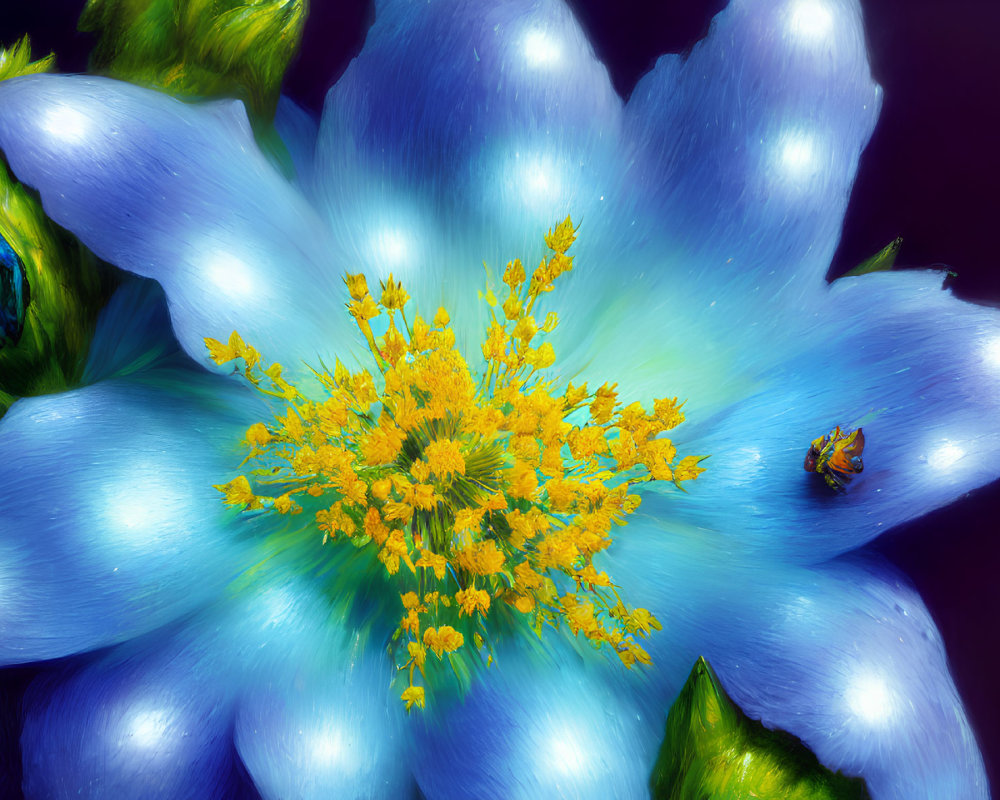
(485,496)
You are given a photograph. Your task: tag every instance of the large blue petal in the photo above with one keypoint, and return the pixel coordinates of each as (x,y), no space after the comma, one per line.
(319,717)
(107,499)
(542,722)
(460,135)
(844,656)
(150,720)
(892,352)
(180,193)
(749,145)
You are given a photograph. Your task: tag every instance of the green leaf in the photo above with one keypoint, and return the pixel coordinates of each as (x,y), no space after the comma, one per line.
(713,751)
(882,261)
(199,48)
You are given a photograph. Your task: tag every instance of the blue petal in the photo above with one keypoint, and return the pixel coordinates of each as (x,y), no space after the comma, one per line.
(919,370)
(107,499)
(844,656)
(147,721)
(747,148)
(317,716)
(429,165)
(330,732)
(180,193)
(538,724)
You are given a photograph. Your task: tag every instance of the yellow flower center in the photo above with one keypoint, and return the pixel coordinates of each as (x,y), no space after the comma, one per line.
(494,489)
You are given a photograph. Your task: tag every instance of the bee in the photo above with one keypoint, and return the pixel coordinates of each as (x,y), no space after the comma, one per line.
(837,457)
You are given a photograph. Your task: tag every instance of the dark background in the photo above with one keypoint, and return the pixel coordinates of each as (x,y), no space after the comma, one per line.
(931,175)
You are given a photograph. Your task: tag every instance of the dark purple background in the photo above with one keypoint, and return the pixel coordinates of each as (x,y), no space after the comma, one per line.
(931,174)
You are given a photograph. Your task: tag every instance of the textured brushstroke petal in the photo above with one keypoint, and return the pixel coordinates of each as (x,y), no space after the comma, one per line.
(918,369)
(150,720)
(540,723)
(180,193)
(107,500)
(736,166)
(316,716)
(468,157)
(321,719)
(747,148)
(844,656)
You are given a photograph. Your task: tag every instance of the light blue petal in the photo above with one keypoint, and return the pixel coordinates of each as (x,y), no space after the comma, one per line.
(307,702)
(542,722)
(110,526)
(459,135)
(331,732)
(919,370)
(148,721)
(180,193)
(749,145)
(317,716)
(844,656)
(736,167)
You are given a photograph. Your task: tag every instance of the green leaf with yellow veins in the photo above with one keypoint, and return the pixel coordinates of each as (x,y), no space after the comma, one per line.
(51,286)
(713,751)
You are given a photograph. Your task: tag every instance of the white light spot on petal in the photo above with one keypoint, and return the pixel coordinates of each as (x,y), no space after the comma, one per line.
(391,246)
(329,749)
(139,502)
(540,49)
(539,182)
(869,698)
(230,274)
(945,456)
(797,155)
(991,352)
(809,20)
(67,124)
(147,728)
(565,754)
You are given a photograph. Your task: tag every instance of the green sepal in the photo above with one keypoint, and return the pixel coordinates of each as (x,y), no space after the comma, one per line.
(882,261)
(713,751)
(199,48)
(16,60)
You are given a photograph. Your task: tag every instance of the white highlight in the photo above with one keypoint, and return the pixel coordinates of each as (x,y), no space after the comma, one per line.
(538,181)
(798,155)
(230,274)
(810,21)
(869,698)
(66,123)
(945,456)
(540,50)
(143,505)
(329,749)
(991,352)
(566,754)
(147,729)
(392,246)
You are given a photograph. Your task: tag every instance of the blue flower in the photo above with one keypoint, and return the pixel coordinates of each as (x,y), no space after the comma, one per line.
(710,204)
